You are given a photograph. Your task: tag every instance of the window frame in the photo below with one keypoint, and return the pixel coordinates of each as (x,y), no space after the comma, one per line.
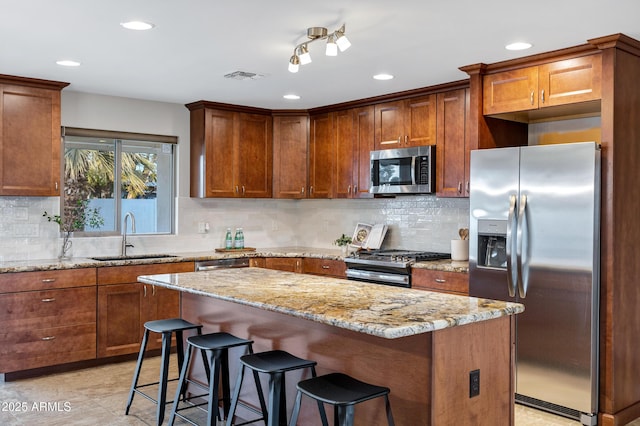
(119,137)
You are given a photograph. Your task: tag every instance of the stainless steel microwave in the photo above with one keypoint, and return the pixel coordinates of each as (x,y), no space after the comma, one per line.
(403,170)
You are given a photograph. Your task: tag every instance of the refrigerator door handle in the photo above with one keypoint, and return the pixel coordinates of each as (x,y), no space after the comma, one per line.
(523,281)
(511,282)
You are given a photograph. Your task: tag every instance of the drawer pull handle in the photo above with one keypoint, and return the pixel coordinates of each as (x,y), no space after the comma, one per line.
(51,299)
(49,280)
(440,281)
(325,267)
(153,290)
(48,338)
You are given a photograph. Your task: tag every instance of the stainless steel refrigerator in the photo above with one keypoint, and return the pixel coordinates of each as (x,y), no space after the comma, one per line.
(534,239)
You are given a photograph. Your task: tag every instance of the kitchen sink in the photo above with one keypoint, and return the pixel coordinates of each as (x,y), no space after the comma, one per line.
(132,257)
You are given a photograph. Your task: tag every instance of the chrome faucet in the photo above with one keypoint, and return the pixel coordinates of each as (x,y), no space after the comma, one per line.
(123,252)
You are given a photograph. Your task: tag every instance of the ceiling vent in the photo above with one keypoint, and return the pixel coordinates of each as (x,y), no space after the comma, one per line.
(243,75)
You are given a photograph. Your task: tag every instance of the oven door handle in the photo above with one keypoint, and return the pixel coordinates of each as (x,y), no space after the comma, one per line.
(378,277)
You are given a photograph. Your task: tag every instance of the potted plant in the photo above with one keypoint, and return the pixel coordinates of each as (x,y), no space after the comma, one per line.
(343,242)
(75,218)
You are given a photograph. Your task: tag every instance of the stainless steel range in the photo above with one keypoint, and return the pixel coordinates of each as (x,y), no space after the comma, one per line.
(389,267)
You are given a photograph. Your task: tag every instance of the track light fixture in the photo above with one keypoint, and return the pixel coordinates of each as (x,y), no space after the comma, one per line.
(335,40)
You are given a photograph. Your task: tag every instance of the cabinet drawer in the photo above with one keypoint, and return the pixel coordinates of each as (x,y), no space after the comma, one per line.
(289,264)
(447,282)
(334,268)
(50,346)
(129,274)
(43,280)
(52,308)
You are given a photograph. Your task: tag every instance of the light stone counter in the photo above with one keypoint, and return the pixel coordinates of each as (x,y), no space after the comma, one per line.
(382,311)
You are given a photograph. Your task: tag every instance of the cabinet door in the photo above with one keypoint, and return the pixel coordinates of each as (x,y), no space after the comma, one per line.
(510,91)
(29,141)
(344,154)
(570,81)
(254,150)
(364,143)
(451,151)
(289,264)
(389,122)
(321,156)
(420,121)
(159,303)
(120,319)
(220,170)
(290,156)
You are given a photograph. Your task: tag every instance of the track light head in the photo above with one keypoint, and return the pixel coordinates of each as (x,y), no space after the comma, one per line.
(332,47)
(305,56)
(335,40)
(294,64)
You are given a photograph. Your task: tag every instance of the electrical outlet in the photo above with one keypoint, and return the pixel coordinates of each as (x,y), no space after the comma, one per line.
(474,383)
(203,227)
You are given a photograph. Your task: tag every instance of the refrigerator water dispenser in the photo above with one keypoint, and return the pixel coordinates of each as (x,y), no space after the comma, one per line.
(492,243)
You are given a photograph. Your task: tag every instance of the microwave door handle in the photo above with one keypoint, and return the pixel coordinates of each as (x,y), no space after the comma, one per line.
(511,282)
(413,170)
(523,279)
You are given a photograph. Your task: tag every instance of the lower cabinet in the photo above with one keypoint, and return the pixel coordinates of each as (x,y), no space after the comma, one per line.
(442,281)
(289,264)
(124,305)
(48,318)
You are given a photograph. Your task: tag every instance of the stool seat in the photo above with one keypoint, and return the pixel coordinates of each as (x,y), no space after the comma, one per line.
(275,361)
(220,340)
(169,325)
(214,348)
(343,392)
(165,327)
(340,389)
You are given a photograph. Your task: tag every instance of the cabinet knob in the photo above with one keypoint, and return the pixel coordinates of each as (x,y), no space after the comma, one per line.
(302,190)
(532,97)
(355,189)
(542,96)
(349,189)
(406,139)
(243,191)
(144,287)
(467,187)
(459,187)
(237,189)
(311,190)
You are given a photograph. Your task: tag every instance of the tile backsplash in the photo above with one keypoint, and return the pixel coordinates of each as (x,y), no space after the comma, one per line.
(415,222)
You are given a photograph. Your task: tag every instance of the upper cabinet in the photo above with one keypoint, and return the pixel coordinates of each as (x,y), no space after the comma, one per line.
(231,152)
(30,136)
(290,156)
(321,156)
(354,140)
(553,84)
(405,123)
(452,150)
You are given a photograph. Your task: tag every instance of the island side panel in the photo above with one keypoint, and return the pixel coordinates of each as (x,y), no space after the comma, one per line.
(404,365)
(485,346)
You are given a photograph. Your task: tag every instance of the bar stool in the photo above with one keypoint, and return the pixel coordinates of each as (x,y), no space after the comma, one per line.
(165,327)
(274,363)
(218,344)
(343,392)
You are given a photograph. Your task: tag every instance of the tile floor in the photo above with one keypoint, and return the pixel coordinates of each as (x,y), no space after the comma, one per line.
(97,396)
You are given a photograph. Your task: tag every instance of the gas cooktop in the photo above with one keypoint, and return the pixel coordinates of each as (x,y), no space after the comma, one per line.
(399,256)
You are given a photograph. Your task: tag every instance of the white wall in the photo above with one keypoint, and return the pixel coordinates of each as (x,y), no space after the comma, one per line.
(416,222)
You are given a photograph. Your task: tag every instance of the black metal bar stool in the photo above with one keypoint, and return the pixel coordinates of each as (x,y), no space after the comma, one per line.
(343,392)
(218,345)
(165,327)
(274,363)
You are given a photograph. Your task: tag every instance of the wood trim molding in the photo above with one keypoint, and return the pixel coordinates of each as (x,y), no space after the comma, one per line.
(32,82)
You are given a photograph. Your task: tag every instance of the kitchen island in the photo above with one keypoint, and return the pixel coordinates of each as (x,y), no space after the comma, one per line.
(423,345)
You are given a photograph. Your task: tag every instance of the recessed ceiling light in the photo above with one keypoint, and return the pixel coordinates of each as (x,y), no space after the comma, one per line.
(521,45)
(291,97)
(67,63)
(383,76)
(137,25)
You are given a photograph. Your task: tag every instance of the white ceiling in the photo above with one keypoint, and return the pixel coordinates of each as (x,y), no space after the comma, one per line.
(196,42)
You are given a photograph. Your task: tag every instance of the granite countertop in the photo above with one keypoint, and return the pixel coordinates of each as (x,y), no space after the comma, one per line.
(383,311)
(82,262)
